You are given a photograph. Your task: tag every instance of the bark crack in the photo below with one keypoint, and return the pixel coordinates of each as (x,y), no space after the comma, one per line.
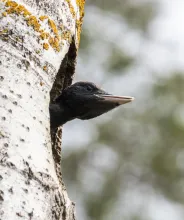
(63,79)
(45,180)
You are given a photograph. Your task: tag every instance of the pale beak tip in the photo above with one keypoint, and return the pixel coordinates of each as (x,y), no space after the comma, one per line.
(118,99)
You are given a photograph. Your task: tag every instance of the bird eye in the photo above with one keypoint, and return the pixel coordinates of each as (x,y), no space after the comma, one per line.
(88,88)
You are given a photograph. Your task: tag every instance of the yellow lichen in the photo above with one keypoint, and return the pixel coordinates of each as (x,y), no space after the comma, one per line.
(79,22)
(53,26)
(11,4)
(43,17)
(54,42)
(32,21)
(45,46)
(45,68)
(80,4)
(44,35)
(50,40)
(4,14)
(72,10)
(20,9)
(66,35)
(57,49)
(10,10)
(41,83)
(12,7)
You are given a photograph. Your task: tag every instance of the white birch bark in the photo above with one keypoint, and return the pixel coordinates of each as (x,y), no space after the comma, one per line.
(31,50)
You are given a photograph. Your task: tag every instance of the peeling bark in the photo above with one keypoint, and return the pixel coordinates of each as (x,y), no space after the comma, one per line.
(38,49)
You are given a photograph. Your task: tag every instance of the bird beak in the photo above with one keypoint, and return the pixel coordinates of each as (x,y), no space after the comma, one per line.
(117,99)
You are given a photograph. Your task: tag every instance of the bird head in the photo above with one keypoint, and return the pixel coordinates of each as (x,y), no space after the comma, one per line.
(84,100)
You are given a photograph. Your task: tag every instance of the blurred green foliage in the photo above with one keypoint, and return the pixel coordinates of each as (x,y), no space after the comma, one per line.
(118,61)
(136,13)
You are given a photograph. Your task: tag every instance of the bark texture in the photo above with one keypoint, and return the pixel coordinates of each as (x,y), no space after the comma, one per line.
(38,49)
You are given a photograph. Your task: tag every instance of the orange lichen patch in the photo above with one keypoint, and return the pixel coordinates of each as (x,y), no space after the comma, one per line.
(32,21)
(10,10)
(54,42)
(53,26)
(12,7)
(50,40)
(15,8)
(11,4)
(44,35)
(57,49)
(72,11)
(80,4)
(45,68)
(20,9)
(41,83)
(45,46)
(79,22)
(66,35)
(41,31)
(4,14)
(43,17)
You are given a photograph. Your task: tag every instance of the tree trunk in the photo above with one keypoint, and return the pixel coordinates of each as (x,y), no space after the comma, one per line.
(38,48)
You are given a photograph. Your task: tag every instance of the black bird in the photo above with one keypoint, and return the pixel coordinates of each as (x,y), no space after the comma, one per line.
(83,100)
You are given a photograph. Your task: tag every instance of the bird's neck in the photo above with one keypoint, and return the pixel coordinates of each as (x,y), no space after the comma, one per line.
(59,115)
